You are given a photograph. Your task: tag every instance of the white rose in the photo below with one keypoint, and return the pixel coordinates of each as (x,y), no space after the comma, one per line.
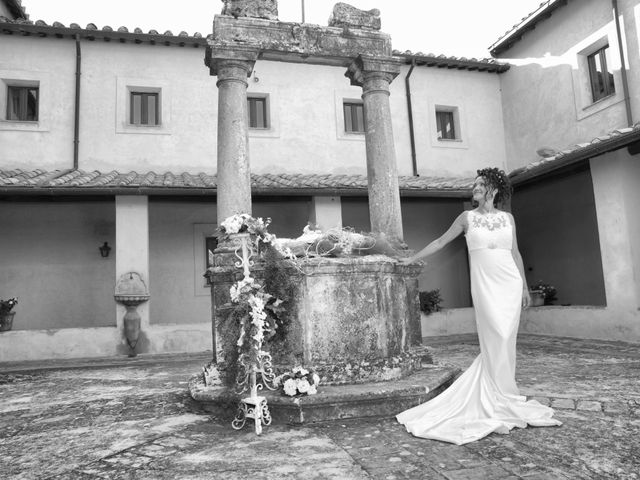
(290,387)
(312,390)
(303,385)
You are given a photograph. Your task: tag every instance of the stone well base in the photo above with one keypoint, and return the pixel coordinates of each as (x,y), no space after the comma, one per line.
(335,402)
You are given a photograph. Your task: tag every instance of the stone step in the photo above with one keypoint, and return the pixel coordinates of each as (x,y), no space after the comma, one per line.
(335,402)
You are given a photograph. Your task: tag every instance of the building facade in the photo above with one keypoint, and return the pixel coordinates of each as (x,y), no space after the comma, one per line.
(110,136)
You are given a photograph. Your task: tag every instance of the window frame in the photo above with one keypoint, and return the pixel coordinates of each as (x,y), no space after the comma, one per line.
(124,87)
(440,127)
(349,118)
(254,98)
(608,87)
(454,112)
(23,101)
(144,107)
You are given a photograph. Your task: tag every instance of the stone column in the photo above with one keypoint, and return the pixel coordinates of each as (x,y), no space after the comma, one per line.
(326,212)
(374,74)
(233,66)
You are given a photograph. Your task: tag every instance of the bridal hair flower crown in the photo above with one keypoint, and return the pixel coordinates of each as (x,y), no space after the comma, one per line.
(498,179)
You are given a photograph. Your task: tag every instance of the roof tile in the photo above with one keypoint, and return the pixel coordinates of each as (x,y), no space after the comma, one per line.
(91,180)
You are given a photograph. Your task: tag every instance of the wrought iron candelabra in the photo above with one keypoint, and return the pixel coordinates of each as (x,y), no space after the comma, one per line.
(255,370)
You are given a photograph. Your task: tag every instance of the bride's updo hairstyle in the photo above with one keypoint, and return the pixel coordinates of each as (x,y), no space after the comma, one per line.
(498,180)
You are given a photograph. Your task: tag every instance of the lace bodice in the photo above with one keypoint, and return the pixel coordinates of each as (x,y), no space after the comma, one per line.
(491,230)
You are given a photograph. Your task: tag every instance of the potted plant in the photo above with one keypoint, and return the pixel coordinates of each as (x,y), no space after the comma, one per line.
(542,294)
(430,301)
(6,315)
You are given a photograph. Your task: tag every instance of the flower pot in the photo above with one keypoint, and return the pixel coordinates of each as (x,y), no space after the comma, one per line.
(6,321)
(537,298)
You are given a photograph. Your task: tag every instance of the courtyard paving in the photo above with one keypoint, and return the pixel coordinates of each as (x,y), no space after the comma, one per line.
(133,419)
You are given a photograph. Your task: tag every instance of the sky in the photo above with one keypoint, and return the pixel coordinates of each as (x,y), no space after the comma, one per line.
(462,28)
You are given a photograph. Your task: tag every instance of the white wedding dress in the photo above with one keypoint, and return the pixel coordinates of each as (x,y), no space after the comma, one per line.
(485,398)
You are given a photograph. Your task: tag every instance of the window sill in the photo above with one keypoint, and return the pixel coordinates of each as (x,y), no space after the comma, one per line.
(599,105)
(600,100)
(23,125)
(144,129)
(264,133)
(448,143)
(352,136)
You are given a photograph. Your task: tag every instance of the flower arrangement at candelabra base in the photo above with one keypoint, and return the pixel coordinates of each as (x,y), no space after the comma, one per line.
(256,312)
(299,381)
(6,315)
(212,375)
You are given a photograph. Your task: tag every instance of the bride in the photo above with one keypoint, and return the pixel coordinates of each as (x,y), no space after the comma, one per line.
(485,398)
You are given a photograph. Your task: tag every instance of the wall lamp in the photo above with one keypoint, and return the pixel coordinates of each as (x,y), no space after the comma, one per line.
(104,250)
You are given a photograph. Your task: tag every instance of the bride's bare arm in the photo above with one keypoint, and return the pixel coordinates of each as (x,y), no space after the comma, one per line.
(456,228)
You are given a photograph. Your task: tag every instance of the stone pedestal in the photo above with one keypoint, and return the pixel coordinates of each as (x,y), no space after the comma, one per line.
(355,311)
(374,74)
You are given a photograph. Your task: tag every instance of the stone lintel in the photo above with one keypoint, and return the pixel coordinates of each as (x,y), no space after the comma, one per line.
(309,43)
(364,65)
(215,54)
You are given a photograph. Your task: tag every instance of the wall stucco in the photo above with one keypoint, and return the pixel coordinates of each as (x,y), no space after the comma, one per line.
(558,237)
(306,134)
(425,220)
(546,101)
(51,262)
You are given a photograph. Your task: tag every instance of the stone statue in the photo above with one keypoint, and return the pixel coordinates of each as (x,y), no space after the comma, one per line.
(345,15)
(267,9)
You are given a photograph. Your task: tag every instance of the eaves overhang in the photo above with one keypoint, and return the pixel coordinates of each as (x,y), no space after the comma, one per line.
(94,183)
(528,23)
(91,32)
(621,138)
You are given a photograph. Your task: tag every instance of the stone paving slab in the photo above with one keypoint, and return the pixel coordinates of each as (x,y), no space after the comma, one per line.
(117,420)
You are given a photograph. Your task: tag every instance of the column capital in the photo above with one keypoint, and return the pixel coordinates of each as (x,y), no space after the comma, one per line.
(366,67)
(231,60)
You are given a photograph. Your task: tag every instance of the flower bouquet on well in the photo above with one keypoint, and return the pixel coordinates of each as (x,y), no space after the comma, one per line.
(245,223)
(299,381)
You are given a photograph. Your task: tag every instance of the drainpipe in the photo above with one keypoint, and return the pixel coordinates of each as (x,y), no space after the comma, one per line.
(623,69)
(414,162)
(76,117)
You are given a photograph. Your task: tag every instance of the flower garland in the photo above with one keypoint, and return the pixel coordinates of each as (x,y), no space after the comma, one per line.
(257,310)
(261,311)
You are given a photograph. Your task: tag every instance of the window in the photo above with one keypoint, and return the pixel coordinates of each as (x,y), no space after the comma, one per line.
(211,243)
(353,117)
(258,113)
(22,103)
(144,108)
(445,125)
(599,76)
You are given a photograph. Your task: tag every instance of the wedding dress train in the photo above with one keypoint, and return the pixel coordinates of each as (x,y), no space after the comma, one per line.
(485,398)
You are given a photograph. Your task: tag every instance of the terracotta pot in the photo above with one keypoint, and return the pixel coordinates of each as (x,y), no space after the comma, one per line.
(537,298)
(6,321)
